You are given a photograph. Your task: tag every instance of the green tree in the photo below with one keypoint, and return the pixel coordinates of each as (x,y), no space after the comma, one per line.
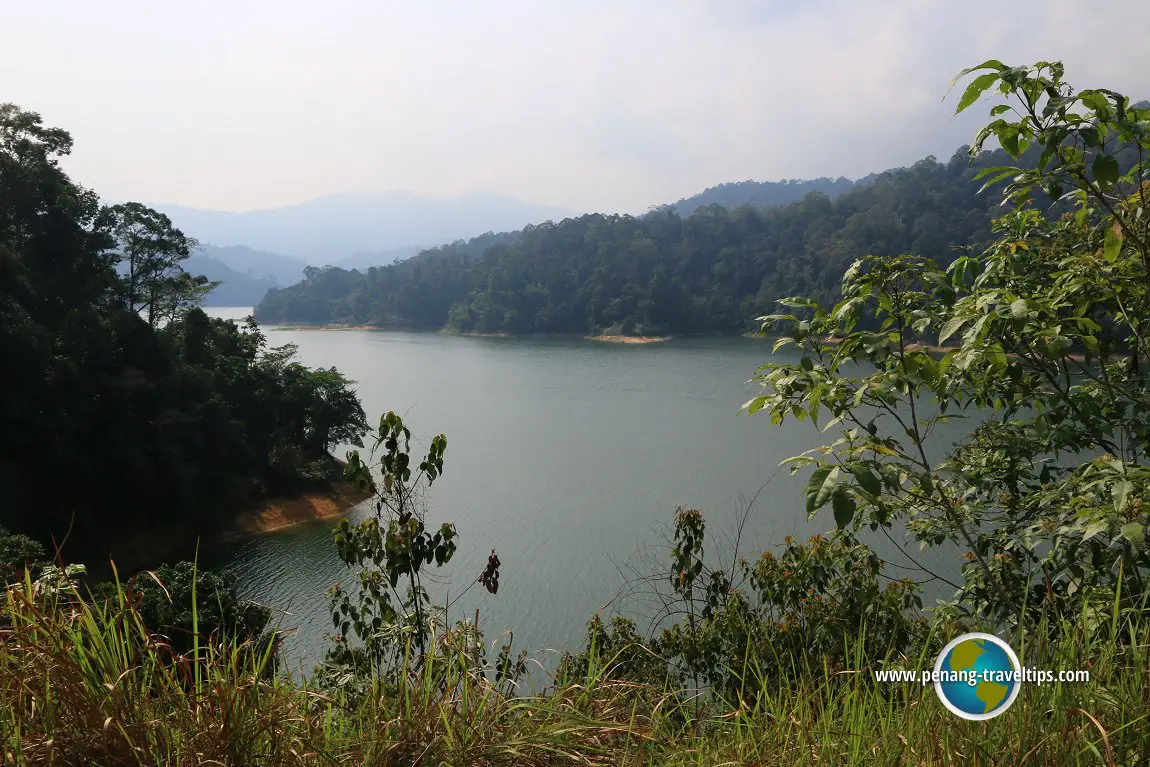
(391,545)
(1045,493)
(149,253)
(382,632)
(709,272)
(174,422)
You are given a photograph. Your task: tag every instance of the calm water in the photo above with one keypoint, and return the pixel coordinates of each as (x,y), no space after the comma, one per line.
(564,456)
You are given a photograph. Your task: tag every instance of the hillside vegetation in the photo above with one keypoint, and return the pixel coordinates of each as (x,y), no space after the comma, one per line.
(661,273)
(124,409)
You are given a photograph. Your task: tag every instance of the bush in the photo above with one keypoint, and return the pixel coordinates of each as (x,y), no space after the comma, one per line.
(189,606)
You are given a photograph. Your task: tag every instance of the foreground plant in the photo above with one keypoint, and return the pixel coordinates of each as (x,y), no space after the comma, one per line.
(85,682)
(379,629)
(1045,493)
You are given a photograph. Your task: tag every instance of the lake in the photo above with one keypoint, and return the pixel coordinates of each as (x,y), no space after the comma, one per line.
(568,457)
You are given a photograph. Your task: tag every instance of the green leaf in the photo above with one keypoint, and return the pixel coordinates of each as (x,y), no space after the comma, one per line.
(1093,529)
(1135,533)
(1018,308)
(1008,138)
(1105,169)
(820,487)
(1120,492)
(997,178)
(952,326)
(976,88)
(1095,100)
(844,507)
(988,64)
(1112,247)
(868,480)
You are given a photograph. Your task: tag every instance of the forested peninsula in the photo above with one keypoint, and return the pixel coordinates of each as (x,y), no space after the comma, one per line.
(129,417)
(710,272)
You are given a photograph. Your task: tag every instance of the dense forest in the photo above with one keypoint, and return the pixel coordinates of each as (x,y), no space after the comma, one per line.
(661,273)
(123,406)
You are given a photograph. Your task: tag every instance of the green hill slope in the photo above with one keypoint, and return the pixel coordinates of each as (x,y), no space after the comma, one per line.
(711,272)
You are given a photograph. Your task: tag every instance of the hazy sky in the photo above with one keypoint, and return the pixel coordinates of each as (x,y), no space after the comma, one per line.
(609,106)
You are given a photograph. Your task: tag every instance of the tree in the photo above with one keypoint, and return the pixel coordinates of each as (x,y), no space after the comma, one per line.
(333,414)
(378,628)
(150,253)
(176,421)
(384,621)
(1049,361)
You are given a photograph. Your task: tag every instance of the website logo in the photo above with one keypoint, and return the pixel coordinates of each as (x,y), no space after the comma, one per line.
(977,676)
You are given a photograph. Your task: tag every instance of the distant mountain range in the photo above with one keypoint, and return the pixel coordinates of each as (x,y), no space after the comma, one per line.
(245,274)
(329,229)
(283,270)
(235,288)
(254,251)
(662,273)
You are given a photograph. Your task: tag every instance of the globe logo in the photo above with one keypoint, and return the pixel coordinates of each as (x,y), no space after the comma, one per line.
(977,676)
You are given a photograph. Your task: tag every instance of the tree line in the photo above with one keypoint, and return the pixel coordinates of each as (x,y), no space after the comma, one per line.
(662,273)
(123,406)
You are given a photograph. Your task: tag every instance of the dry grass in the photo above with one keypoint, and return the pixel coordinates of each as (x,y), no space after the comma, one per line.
(86,683)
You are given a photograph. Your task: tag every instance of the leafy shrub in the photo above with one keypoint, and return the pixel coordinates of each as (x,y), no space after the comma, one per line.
(182,602)
(17,554)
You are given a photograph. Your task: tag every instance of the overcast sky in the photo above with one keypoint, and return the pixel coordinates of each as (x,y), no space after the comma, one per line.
(608,106)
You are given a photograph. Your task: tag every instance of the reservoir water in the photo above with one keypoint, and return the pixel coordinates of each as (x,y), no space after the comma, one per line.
(568,457)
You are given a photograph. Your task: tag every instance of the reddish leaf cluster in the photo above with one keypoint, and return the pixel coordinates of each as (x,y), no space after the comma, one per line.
(490,576)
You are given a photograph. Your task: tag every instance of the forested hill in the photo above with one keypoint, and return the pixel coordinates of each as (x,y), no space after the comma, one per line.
(124,408)
(762,194)
(711,272)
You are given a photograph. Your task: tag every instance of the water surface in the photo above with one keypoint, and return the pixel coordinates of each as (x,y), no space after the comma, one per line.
(564,456)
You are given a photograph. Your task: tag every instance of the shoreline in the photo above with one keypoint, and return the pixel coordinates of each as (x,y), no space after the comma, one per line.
(337,326)
(613,338)
(275,514)
(618,339)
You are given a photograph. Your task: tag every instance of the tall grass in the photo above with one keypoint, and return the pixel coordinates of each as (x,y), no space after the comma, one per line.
(85,682)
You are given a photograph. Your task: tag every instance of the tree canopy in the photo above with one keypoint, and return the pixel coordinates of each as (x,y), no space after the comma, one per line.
(710,272)
(1046,493)
(122,406)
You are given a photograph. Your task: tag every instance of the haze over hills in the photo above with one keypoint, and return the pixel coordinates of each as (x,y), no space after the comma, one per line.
(661,273)
(280,269)
(329,229)
(319,232)
(368,259)
(235,288)
(245,274)
(765,194)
